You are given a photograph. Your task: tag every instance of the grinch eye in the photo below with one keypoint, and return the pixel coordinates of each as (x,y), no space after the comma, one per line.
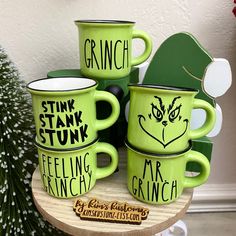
(156,113)
(174,114)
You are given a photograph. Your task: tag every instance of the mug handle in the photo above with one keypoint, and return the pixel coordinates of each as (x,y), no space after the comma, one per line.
(103,172)
(115,112)
(209,122)
(193,156)
(148,47)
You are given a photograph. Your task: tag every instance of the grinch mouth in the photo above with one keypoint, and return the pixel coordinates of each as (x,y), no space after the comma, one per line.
(142,118)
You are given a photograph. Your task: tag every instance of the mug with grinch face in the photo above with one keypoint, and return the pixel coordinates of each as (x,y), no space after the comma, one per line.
(65,111)
(159,118)
(71,173)
(160,179)
(105,48)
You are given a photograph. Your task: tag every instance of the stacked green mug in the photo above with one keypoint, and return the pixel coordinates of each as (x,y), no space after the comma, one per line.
(66,134)
(159,142)
(105,51)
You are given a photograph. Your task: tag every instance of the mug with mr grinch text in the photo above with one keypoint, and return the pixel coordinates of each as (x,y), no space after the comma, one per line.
(65,111)
(160,179)
(105,48)
(70,173)
(159,118)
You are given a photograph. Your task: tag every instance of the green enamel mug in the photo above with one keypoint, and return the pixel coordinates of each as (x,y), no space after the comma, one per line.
(105,48)
(65,111)
(73,172)
(159,118)
(161,179)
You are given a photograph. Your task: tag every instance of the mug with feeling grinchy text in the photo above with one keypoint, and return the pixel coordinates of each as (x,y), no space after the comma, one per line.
(160,179)
(159,118)
(71,173)
(105,48)
(65,111)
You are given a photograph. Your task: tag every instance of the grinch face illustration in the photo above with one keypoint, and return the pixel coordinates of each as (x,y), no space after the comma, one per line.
(164,123)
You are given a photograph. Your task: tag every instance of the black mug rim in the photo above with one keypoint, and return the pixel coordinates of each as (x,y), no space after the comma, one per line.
(105,21)
(66,90)
(164,87)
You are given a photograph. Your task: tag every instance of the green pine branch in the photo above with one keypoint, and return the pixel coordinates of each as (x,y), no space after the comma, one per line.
(18,215)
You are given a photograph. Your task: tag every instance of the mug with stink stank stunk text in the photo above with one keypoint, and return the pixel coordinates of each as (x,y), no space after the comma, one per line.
(159,118)
(71,173)
(105,48)
(65,111)
(160,179)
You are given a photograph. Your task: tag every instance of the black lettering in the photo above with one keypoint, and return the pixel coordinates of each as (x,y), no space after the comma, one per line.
(74,136)
(93,56)
(50,132)
(49,116)
(63,183)
(69,120)
(115,50)
(71,105)
(126,52)
(86,167)
(163,192)
(82,180)
(44,160)
(63,106)
(134,190)
(148,163)
(49,166)
(73,194)
(62,140)
(51,103)
(101,52)
(174,189)
(78,165)
(60,123)
(50,190)
(44,106)
(63,169)
(55,165)
(78,117)
(83,130)
(140,190)
(87,60)
(41,117)
(41,132)
(108,54)
(90,178)
(158,165)
(71,167)
(155,191)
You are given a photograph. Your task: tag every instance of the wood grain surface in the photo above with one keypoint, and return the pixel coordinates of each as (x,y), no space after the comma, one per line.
(59,212)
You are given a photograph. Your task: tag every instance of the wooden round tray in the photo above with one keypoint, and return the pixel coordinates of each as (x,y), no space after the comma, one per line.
(59,212)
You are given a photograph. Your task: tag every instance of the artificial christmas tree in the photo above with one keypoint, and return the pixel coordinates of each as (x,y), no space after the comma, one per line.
(18,215)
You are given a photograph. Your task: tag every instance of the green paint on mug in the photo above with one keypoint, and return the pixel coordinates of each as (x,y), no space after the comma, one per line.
(65,111)
(105,48)
(159,118)
(67,174)
(161,179)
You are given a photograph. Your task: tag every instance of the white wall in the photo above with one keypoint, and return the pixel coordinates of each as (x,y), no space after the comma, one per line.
(40,36)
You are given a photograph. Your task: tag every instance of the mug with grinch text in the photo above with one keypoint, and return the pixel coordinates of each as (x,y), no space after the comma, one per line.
(105,48)
(160,179)
(159,118)
(65,111)
(71,173)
